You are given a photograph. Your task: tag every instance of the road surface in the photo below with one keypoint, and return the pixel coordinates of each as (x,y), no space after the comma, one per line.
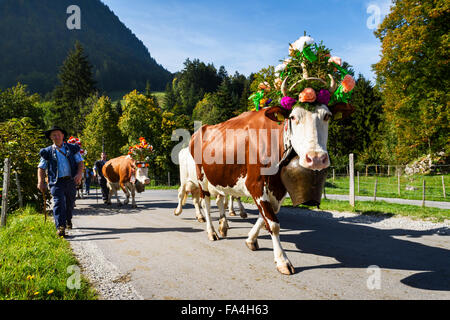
(335,255)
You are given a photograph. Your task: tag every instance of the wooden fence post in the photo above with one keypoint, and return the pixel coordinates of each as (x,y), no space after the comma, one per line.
(443,186)
(423,192)
(375,190)
(333,174)
(351,180)
(19,190)
(6,176)
(398,182)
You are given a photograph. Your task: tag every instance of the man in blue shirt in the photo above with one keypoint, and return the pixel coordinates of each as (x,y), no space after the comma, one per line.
(64,166)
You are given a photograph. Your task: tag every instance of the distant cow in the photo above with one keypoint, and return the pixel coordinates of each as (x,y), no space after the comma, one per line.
(189,184)
(128,174)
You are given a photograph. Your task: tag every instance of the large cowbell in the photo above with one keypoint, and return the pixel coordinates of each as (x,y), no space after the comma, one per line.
(305,186)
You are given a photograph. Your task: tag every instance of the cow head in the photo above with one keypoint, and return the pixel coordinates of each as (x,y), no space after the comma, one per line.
(307,131)
(142,173)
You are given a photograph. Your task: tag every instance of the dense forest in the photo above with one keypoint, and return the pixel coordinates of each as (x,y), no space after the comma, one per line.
(35,40)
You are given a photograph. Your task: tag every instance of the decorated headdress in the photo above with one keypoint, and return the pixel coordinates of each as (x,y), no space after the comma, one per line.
(74,140)
(310,77)
(141,152)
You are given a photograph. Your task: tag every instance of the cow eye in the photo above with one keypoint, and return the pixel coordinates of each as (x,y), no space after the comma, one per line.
(327,117)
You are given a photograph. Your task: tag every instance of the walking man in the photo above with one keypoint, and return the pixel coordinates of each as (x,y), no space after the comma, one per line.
(64,166)
(98,174)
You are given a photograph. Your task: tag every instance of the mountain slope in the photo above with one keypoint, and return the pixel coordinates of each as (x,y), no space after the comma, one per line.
(35,41)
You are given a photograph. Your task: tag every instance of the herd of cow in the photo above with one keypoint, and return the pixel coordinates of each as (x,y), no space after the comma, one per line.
(231,159)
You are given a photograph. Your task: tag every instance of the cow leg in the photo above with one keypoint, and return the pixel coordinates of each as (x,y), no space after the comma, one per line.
(181,194)
(223,223)
(252,240)
(197,204)
(242,211)
(229,201)
(133,195)
(284,266)
(206,204)
(125,190)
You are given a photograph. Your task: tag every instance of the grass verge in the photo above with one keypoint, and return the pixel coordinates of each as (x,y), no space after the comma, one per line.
(377,208)
(36,264)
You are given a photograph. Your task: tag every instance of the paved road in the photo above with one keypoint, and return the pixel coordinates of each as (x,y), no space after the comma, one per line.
(167,257)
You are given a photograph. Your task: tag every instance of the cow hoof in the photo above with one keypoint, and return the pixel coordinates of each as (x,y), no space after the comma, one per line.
(286,268)
(223,227)
(176,212)
(232,213)
(134,206)
(201,219)
(119,204)
(243,215)
(213,236)
(252,245)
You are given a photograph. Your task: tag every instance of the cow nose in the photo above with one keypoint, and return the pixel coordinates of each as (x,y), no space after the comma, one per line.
(147,181)
(316,160)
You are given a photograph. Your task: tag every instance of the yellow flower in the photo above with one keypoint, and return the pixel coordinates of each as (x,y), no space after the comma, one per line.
(36,293)
(50,291)
(29,277)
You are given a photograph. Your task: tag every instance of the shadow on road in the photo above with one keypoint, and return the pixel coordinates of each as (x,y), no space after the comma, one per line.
(352,241)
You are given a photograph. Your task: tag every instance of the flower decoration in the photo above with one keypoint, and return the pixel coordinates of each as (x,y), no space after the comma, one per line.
(307,95)
(74,140)
(323,96)
(142,151)
(348,83)
(310,72)
(287,102)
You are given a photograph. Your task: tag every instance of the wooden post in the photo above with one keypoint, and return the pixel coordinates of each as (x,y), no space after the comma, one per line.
(357,175)
(398,182)
(324,194)
(6,176)
(168,178)
(351,181)
(443,186)
(375,190)
(389,170)
(19,190)
(367,170)
(423,192)
(333,174)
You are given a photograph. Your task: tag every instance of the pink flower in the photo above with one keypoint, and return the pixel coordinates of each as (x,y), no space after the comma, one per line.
(348,83)
(307,95)
(336,60)
(287,102)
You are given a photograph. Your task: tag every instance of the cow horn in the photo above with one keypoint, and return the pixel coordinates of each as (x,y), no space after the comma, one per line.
(283,86)
(332,84)
(305,72)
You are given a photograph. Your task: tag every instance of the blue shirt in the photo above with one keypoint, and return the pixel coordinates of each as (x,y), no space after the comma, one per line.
(63,163)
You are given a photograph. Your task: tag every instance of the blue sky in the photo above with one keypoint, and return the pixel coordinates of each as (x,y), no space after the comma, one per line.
(248,35)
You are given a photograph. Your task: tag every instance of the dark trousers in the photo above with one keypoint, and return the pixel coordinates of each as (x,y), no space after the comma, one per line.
(63,193)
(104,187)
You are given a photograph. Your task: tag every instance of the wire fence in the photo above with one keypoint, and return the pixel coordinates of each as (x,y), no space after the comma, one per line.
(391,182)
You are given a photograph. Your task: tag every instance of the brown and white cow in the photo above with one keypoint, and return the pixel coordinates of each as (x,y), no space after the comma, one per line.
(241,157)
(126,173)
(189,184)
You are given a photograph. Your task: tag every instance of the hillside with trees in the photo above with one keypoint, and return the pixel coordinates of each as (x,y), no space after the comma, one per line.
(35,40)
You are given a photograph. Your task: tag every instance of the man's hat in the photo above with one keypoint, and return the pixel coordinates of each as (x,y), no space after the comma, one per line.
(54,128)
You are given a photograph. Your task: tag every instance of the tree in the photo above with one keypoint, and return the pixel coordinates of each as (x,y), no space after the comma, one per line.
(101,128)
(17,102)
(76,85)
(20,142)
(413,75)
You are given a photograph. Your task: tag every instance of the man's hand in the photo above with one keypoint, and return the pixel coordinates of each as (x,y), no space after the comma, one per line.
(42,186)
(77,179)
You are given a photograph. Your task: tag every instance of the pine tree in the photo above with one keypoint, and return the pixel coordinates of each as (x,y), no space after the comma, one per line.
(76,85)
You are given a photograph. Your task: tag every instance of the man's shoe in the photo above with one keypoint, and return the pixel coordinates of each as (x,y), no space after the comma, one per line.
(69,225)
(61,232)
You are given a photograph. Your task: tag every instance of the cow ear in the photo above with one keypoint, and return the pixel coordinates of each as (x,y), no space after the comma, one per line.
(277,114)
(341,110)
